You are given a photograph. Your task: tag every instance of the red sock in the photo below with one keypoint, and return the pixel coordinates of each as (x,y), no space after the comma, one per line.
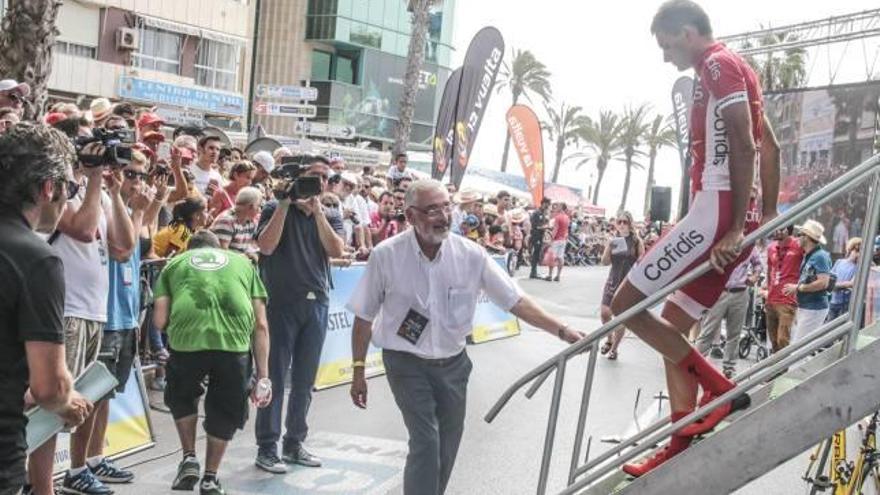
(706,375)
(677,443)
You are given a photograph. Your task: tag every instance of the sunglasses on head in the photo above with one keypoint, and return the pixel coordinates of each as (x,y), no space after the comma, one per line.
(132,175)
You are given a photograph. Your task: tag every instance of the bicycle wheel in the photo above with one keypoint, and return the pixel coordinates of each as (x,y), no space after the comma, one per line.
(745,346)
(762,353)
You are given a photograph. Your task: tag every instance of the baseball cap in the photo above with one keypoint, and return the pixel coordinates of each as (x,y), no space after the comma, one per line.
(11,85)
(264,159)
(153,136)
(149,118)
(54,117)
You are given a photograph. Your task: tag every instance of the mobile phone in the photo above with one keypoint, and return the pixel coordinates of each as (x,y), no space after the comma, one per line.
(164,151)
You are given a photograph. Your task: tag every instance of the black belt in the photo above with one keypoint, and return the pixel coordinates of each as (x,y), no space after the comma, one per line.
(734,290)
(427,361)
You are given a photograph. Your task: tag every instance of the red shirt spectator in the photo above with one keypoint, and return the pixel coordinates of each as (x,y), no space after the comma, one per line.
(783,267)
(560,227)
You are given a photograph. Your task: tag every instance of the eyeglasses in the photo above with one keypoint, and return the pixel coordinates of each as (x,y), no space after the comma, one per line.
(132,175)
(330,204)
(435,211)
(622,222)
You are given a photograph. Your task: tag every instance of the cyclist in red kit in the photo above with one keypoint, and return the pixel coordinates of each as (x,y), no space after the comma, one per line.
(729,134)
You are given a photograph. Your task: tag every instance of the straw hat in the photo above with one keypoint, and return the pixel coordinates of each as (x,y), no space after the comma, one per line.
(518,216)
(466,196)
(100,108)
(814,230)
(490,209)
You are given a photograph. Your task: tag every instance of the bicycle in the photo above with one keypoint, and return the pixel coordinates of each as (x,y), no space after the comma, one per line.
(846,477)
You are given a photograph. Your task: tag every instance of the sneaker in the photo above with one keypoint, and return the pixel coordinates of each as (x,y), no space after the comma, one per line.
(716,352)
(84,483)
(211,487)
(108,472)
(187,474)
(729,371)
(268,461)
(298,455)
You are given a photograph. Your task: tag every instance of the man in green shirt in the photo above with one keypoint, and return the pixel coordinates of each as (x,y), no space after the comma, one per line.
(212,304)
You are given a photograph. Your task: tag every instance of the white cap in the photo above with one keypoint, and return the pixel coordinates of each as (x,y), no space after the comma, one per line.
(350,178)
(10,85)
(265,160)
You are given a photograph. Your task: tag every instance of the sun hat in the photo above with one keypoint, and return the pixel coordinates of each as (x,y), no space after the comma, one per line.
(100,109)
(466,196)
(13,86)
(814,230)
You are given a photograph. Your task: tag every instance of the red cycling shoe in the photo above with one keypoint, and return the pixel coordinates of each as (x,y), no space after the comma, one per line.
(710,421)
(670,450)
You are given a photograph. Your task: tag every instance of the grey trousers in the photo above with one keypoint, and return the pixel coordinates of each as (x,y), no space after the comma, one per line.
(730,308)
(432,399)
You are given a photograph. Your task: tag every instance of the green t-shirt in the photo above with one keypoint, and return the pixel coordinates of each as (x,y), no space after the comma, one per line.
(211,292)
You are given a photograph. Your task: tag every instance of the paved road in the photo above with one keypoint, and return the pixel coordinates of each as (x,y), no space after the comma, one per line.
(364,451)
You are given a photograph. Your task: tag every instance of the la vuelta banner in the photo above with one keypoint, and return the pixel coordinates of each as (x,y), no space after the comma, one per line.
(682,101)
(444,133)
(478,73)
(525,132)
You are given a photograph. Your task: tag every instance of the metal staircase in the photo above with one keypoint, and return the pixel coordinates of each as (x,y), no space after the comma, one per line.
(798,397)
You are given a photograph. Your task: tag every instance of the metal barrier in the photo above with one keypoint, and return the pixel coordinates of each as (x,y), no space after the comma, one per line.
(844,326)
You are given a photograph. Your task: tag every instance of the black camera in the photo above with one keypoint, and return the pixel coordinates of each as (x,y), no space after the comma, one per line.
(399,215)
(291,183)
(117,147)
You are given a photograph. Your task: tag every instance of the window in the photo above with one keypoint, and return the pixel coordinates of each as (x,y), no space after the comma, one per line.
(76,50)
(321,65)
(346,69)
(217,65)
(159,50)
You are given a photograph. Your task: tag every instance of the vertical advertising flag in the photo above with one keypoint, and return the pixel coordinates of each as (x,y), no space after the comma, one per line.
(479,70)
(525,132)
(444,132)
(682,101)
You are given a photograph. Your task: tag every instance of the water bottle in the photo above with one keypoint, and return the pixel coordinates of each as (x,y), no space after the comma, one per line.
(264,386)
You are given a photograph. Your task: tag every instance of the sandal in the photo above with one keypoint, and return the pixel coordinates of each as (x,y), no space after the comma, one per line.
(612,356)
(605,347)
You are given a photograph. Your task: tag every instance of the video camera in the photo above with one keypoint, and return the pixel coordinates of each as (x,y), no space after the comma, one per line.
(291,183)
(117,147)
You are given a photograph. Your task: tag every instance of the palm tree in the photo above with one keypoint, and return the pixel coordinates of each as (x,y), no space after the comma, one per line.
(632,137)
(563,128)
(780,72)
(660,134)
(27,37)
(525,75)
(602,138)
(414,59)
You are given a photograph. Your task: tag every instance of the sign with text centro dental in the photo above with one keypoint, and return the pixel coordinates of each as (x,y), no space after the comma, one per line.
(287,92)
(286,110)
(478,73)
(525,132)
(154,92)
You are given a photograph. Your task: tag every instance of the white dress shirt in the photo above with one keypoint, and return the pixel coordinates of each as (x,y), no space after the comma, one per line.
(399,277)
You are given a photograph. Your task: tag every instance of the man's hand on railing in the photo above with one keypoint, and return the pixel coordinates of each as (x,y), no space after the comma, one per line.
(570,335)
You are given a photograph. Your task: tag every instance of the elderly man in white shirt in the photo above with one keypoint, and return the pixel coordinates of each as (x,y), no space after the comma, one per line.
(421,322)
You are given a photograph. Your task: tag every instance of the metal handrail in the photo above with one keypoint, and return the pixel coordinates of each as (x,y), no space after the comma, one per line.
(768,368)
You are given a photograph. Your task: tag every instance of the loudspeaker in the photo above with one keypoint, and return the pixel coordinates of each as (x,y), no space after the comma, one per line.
(661,201)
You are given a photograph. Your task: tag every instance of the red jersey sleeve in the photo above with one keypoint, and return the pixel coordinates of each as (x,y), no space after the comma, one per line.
(725,80)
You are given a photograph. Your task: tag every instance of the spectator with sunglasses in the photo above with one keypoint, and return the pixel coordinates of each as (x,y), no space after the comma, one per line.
(13,94)
(119,341)
(296,241)
(38,180)
(784,257)
(621,253)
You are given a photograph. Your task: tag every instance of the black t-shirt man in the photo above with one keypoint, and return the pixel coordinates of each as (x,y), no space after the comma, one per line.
(31,309)
(299,264)
(539,225)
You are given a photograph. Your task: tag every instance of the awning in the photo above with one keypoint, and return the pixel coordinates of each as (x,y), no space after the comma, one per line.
(177,27)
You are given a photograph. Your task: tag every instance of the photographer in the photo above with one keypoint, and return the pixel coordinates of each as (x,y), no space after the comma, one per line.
(388,221)
(94,228)
(36,164)
(296,241)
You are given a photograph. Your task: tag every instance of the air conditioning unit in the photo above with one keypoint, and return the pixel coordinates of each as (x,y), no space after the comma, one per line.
(127,39)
